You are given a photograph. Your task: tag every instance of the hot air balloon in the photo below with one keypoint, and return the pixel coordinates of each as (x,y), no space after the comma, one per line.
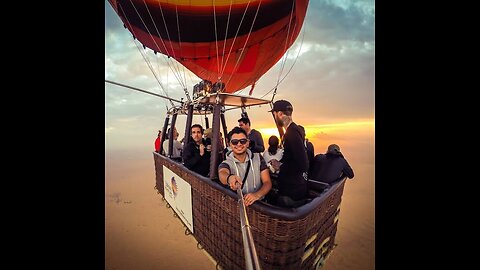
(233,42)
(229,45)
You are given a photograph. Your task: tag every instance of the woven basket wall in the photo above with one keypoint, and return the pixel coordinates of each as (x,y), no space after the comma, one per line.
(302,243)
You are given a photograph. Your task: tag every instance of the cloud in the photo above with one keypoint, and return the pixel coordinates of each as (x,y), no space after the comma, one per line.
(332,80)
(331,21)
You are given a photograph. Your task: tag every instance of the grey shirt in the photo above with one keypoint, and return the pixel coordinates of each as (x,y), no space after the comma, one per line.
(253,182)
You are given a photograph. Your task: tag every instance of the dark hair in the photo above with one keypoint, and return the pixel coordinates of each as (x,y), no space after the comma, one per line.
(198,126)
(273,144)
(236,130)
(245,120)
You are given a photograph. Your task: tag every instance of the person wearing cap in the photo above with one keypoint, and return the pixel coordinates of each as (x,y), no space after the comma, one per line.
(292,178)
(331,166)
(254,136)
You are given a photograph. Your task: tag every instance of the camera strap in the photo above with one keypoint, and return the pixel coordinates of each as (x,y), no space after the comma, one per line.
(246,173)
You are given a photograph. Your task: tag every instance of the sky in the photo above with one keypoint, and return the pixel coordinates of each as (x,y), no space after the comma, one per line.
(331,84)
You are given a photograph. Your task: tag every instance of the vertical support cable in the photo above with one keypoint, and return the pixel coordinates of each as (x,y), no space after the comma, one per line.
(224,124)
(188,125)
(215,141)
(164,130)
(207,125)
(170,134)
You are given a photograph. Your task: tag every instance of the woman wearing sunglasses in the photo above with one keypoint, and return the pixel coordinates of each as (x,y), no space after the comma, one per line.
(244,169)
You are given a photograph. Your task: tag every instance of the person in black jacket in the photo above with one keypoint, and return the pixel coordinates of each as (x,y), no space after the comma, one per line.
(254,136)
(292,178)
(195,155)
(330,166)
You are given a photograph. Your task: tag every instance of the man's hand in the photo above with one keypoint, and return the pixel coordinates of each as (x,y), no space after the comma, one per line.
(275,164)
(202,149)
(250,198)
(232,180)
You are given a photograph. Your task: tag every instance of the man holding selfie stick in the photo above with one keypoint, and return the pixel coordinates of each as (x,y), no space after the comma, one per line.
(247,169)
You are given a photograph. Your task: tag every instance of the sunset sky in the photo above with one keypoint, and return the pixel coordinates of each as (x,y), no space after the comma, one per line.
(331,84)
(332,89)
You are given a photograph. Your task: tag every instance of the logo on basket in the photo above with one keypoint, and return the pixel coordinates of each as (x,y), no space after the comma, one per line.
(174,187)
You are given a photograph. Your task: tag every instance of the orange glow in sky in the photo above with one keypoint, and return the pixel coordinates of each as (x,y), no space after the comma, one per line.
(343,134)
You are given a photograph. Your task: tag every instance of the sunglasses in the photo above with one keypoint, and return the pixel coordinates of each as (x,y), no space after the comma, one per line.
(235,141)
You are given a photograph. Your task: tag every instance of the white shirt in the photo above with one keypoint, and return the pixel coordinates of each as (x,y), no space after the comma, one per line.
(278,156)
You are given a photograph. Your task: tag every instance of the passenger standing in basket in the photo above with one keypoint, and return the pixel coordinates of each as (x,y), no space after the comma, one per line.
(195,156)
(292,184)
(247,169)
(254,136)
(157,141)
(177,146)
(331,166)
(273,152)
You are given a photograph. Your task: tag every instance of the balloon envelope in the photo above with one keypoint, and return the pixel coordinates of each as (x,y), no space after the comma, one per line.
(232,41)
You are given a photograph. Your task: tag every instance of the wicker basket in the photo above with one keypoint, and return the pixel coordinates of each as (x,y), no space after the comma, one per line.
(285,238)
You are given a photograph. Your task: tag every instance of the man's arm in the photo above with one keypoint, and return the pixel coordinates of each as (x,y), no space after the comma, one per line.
(224,173)
(347,170)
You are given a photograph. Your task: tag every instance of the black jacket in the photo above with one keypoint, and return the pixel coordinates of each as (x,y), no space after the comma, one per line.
(256,141)
(329,167)
(194,161)
(294,164)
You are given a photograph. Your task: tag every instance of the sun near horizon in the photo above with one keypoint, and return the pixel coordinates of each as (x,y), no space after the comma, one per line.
(342,133)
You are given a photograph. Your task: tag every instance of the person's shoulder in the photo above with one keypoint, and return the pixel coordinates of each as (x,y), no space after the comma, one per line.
(224,161)
(293,126)
(190,145)
(224,165)
(293,132)
(255,131)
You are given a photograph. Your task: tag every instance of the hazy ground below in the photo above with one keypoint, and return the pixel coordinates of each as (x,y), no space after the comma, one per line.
(141,233)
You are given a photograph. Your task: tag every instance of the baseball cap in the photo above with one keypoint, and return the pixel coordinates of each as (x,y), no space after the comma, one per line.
(334,149)
(282,105)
